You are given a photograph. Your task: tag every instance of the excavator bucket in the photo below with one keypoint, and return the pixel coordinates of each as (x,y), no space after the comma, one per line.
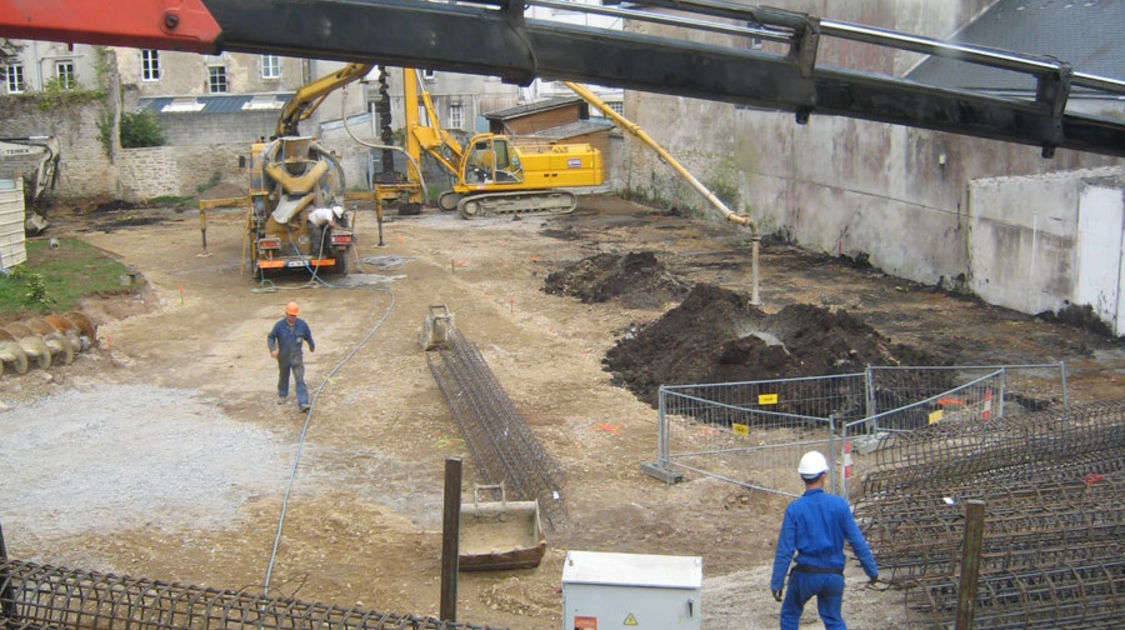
(436,327)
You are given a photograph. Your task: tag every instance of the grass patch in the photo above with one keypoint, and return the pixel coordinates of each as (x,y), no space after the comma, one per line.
(56,279)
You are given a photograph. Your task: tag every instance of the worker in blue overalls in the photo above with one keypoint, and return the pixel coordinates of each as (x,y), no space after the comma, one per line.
(284,342)
(815,527)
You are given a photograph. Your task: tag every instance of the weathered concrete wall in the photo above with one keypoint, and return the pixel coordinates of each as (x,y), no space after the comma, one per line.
(1046,242)
(84,168)
(839,185)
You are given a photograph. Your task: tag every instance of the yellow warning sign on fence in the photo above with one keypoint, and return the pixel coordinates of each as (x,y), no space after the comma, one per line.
(767,399)
(935,415)
(740,429)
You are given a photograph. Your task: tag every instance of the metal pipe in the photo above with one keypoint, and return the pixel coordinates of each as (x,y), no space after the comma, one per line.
(635,129)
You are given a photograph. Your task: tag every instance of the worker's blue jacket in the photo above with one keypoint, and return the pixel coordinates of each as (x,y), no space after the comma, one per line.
(815,526)
(288,341)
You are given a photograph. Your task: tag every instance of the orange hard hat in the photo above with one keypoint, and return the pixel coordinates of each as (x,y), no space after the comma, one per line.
(291,308)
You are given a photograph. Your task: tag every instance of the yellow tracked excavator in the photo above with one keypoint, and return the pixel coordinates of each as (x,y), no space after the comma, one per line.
(495,175)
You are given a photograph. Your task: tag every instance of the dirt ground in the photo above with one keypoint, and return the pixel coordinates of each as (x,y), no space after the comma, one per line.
(163,452)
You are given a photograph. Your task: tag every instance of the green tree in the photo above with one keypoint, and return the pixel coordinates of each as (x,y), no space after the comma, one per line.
(141,129)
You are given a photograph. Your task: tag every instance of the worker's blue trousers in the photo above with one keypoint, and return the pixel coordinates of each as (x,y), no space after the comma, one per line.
(829,591)
(297,366)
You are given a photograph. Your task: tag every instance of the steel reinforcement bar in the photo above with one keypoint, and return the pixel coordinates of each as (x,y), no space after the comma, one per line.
(1077,596)
(502,445)
(1051,551)
(1088,439)
(37,597)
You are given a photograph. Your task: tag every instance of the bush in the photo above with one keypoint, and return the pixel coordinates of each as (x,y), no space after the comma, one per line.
(141,129)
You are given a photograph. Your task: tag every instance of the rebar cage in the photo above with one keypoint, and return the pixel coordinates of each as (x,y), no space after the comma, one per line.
(35,597)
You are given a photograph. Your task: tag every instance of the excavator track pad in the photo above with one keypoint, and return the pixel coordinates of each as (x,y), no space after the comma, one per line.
(495,204)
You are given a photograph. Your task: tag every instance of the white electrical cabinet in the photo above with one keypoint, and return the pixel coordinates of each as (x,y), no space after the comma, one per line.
(624,591)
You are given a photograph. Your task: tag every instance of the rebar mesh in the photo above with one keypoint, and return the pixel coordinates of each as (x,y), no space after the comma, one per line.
(35,597)
(1051,555)
(497,436)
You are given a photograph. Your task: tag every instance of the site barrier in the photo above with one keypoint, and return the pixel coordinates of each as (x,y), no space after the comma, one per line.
(753,433)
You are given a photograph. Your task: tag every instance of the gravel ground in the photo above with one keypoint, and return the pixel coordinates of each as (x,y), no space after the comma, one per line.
(120,457)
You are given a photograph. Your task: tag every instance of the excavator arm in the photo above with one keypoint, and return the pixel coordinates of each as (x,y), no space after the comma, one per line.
(432,138)
(625,124)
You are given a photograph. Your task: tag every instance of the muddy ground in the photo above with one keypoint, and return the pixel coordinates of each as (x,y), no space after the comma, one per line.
(164,454)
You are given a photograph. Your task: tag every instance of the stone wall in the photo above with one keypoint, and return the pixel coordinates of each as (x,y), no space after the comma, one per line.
(85,169)
(179,171)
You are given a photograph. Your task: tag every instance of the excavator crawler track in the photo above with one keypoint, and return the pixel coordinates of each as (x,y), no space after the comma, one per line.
(495,204)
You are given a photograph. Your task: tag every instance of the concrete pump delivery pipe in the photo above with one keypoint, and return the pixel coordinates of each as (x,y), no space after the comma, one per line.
(627,125)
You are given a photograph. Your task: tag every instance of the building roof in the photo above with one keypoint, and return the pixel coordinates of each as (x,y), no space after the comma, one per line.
(533,108)
(576,128)
(1089,34)
(215,103)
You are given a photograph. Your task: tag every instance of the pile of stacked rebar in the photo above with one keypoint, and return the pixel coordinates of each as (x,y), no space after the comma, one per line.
(45,340)
(1052,552)
(502,445)
(42,596)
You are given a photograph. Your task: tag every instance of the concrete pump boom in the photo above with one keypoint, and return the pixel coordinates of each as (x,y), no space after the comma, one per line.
(493,37)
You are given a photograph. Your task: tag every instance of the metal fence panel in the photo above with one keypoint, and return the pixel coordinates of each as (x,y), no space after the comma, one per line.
(866,441)
(752,433)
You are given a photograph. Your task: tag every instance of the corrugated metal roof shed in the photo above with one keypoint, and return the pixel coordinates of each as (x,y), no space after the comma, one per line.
(1090,34)
(576,128)
(13,250)
(214,104)
(531,108)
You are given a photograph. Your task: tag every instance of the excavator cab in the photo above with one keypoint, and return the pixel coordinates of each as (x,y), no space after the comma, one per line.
(492,160)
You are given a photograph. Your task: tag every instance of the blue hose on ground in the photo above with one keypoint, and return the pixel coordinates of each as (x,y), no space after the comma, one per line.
(305,428)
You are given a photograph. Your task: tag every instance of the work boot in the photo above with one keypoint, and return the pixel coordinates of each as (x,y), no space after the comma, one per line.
(281,400)
(304,408)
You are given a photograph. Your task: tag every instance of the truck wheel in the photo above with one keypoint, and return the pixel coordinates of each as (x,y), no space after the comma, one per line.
(341,266)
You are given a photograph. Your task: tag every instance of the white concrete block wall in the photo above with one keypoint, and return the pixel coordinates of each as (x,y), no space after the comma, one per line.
(1044,242)
(1101,256)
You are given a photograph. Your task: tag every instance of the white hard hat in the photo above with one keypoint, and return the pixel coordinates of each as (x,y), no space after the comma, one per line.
(812,465)
(338,211)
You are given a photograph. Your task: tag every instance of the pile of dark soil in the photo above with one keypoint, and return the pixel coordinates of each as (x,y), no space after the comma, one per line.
(717,336)
(636,280)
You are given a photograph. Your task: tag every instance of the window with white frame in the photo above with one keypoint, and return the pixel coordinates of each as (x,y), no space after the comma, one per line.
(456,116)
(271,67)
(64,72)
(617,106)
(216,79)
(13,78)
(150,65)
